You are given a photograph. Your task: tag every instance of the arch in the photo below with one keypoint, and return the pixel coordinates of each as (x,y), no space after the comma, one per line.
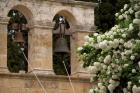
(17,38)
(25,11)
(64,20)
(69,16)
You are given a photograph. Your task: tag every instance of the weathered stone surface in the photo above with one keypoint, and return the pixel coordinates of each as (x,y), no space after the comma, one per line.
(3,46)
(40,14)
(27,83)
(40,48)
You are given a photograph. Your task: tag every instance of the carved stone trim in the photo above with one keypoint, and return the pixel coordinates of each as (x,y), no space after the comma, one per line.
(80,28)
(83,74)
(4,20)
(42,25)
(42,71)
(4,70)
(41,76)
(89,4)
(73,2)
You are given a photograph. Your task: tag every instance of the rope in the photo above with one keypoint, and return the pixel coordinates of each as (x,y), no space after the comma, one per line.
(69,77)
(41,85)
(45,91)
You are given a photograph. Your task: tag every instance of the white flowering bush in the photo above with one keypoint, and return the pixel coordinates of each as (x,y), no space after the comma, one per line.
(113,58)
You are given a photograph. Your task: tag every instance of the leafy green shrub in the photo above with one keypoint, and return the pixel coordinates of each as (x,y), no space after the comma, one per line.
(113,58)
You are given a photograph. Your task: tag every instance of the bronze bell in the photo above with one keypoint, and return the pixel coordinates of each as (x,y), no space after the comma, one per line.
(61,46)
(19,37)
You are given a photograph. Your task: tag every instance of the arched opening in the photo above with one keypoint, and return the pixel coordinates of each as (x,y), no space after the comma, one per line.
(26,12)
(69,16)
(60,48)
(17,42)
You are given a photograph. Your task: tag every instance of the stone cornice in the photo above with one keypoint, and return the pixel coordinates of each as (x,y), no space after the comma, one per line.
(43,76)
(4,20)
(74,3)
(42,25)
(80,28)
(88,4)
(50,25)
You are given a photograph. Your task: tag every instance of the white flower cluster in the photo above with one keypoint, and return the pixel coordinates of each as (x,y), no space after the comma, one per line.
(113,84)
(136,89)
(116,50)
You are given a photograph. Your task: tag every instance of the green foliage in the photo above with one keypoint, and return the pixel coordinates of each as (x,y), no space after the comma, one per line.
(104,13)
(112,57)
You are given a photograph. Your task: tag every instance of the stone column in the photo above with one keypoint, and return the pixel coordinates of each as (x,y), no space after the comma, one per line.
(40,49)
(3,44)
(76,63)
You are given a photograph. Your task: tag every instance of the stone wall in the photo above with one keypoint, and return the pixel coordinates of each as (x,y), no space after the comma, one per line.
(27,83)
(39,14)
(77,13)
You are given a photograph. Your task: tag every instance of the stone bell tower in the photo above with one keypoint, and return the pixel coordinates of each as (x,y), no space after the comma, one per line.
(40,76)
(39,15)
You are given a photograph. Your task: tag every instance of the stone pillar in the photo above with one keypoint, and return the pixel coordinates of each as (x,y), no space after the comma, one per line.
(3,44)
(76,63)
(40,49)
